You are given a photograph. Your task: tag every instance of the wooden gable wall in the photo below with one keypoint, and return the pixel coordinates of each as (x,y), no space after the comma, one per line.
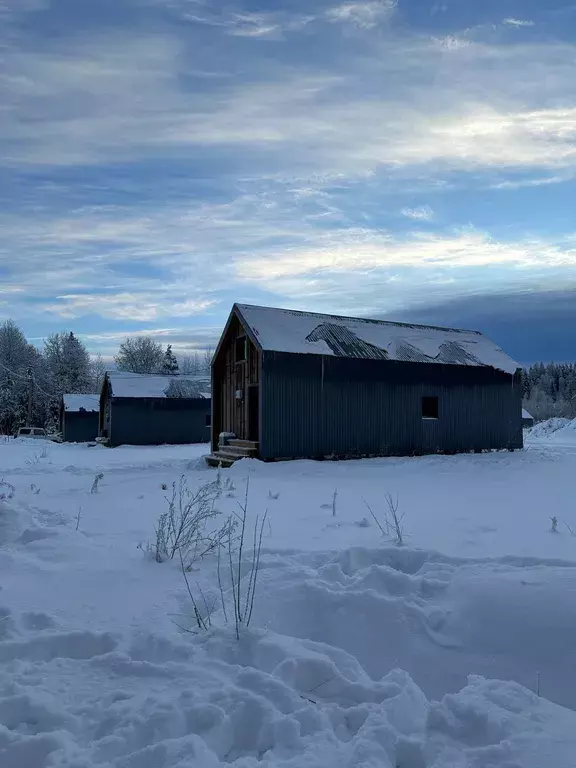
(230,413)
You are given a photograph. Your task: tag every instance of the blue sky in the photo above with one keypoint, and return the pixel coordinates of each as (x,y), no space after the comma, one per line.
(161,159)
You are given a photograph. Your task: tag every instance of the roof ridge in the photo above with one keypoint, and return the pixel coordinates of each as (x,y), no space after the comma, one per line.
(400,324)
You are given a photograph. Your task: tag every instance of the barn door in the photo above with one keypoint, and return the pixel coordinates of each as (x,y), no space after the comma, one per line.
(253,412)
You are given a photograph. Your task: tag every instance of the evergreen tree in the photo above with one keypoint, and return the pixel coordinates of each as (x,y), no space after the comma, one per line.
(69,363)
(170,363)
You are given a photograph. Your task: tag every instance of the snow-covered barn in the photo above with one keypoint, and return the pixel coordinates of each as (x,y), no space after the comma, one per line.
(141,409)
(289,384)
(79,417)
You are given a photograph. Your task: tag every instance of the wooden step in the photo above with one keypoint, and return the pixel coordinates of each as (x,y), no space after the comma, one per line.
(237,451)
(237,443)
(216,460)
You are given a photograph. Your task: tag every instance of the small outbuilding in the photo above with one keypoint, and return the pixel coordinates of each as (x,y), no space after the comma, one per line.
(527,419)
(288,384)
(140,409)
(79,418)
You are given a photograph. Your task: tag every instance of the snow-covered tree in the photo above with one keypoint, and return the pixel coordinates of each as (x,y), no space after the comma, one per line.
(140,354)
(20,365)
(69,363)
(207,361)
(550,390)
(170,363)
(190,364)
(98,371)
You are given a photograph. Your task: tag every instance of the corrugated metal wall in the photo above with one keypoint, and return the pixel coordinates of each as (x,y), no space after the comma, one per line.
(80,427)
(313,406)
(155,421)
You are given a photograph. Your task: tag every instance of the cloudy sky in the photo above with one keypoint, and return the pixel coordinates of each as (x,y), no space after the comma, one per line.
(161,159)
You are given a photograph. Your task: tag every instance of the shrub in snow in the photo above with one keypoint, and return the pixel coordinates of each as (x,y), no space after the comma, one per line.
(332,504)
(241,594)
(187,527)
(392,525)
(7,491)
(37,458)
(554,527)
(97,479)
(273,496)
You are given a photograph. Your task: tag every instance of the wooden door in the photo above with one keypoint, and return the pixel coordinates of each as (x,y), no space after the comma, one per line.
(253,412)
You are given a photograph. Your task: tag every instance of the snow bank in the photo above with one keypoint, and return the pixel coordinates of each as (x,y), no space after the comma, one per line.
(438,618)
(548,427)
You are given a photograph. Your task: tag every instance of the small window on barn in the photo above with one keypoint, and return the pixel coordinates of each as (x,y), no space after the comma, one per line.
(429,407)
(241,349)
(208,420)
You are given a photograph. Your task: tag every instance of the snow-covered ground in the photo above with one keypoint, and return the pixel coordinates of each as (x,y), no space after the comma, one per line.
(361,653)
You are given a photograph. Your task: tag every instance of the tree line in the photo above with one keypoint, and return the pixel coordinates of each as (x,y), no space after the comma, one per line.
(39,377)
(549,390)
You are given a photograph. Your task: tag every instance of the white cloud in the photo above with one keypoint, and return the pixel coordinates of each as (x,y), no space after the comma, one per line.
(362,14)
(423,213)
(357,250)
(139,307)
(123,99)
(518,22)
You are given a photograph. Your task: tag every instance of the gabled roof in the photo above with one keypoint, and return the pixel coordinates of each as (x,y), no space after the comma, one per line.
(76,403)
(284,330)
(143,385)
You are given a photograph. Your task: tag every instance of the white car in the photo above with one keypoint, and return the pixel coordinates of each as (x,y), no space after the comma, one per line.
(36,433)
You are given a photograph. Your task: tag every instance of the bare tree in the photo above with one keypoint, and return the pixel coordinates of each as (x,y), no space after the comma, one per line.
(207,362)
(98,370)
(140,354)
(190,364)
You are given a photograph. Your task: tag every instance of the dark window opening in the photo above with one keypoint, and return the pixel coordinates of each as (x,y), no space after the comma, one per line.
(208,420)
(429,407)
(241,349)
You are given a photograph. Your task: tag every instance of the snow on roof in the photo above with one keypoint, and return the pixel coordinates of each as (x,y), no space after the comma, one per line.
(526,415)
(283,330)
(126,384)
(89,403)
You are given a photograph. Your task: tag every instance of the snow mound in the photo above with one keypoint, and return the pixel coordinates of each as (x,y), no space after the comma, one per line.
(13,522)
(268,700)
(548,427)
(438,618)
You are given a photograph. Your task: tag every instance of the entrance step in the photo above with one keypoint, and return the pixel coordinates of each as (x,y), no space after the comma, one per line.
(234,450)
(237,443)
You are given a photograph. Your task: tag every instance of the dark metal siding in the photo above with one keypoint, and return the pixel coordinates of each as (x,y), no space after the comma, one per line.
(156,421)
(316,406)
(80,426)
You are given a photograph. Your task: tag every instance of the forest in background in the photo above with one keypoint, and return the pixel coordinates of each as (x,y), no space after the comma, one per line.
(39,377)
(549,389)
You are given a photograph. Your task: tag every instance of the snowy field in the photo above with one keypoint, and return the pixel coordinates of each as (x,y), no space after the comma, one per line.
(360,654)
